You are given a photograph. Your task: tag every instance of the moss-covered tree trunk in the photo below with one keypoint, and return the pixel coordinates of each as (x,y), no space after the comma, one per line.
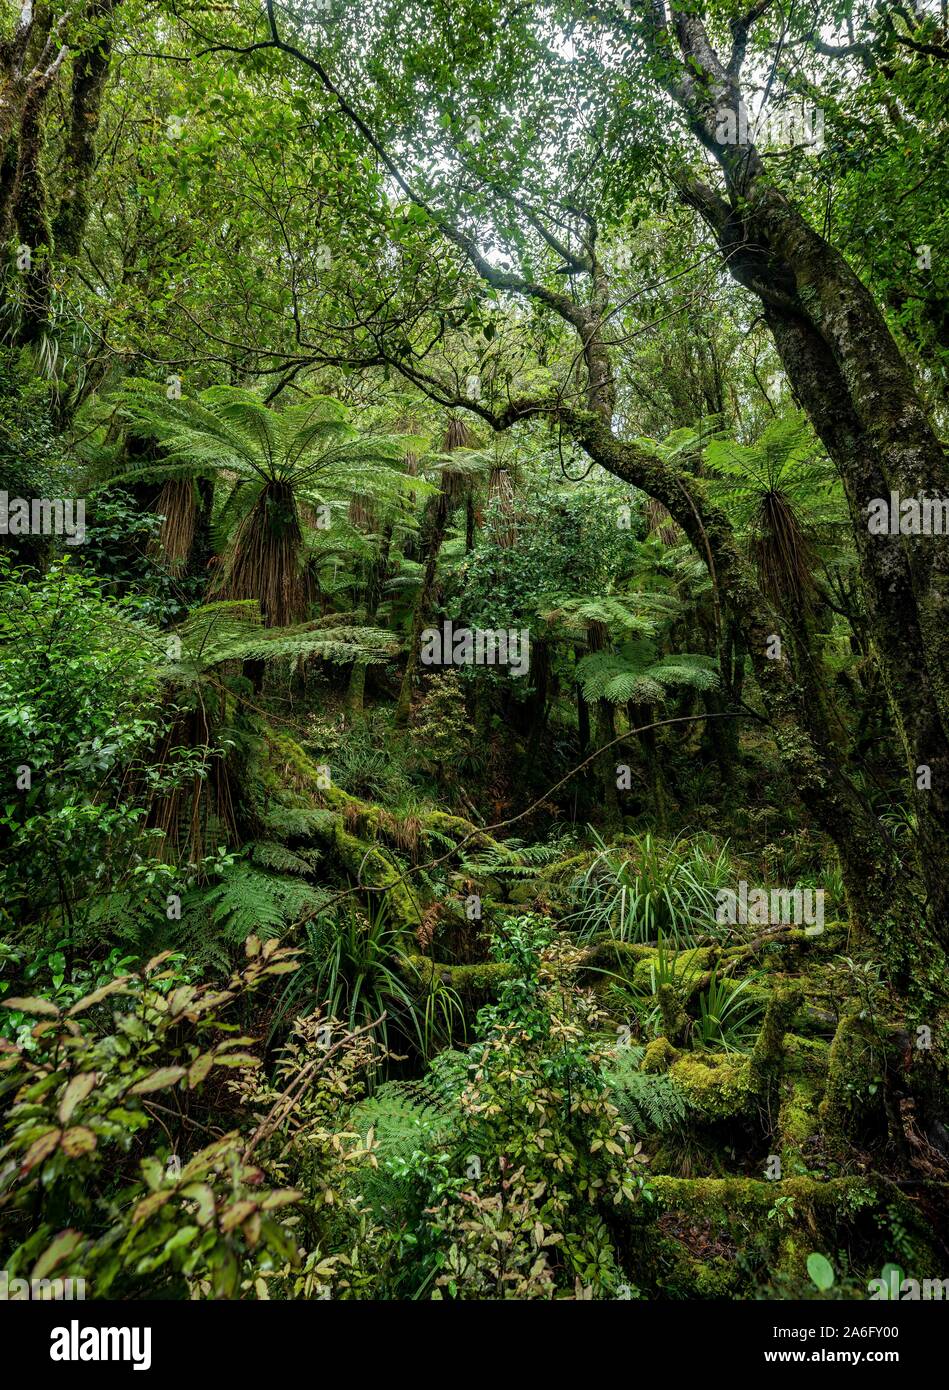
(89,79)
(438,514)
(356,689)
(31,60)
(859,392)
(640,716)
(379,574)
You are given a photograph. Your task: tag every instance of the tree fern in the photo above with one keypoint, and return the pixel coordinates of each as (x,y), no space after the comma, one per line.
(642,614)
(784,493)
(229,432)
(124,917)
(300,823)
(638,674)
(270,854)
(407,1118)
(513,859)
(280,468)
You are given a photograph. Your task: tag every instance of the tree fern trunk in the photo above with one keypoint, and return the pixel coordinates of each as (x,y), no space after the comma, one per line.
(439,511)
(355,694)
(640,715)
(379,574)
(605,727)
(423,605)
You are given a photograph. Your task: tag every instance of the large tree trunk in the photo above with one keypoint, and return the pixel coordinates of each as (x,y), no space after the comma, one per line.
(721,733)
(30,62)
(875,430)
(439,511)
(857,389)
(379,573)
(89,79)
(356,689)
(640,716)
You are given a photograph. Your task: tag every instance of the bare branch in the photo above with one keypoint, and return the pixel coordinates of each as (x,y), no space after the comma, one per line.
(740,30)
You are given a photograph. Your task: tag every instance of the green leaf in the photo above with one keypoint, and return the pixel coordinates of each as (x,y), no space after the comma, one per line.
(203,1195)
(158,1080)
(77,1090)
(59,1250)
(113,987)
(820,1270)
(199,1069)
(237,1059)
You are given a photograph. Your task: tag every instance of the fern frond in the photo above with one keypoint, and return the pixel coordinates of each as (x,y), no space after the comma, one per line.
(649,1102)
(248,901)
(270,854)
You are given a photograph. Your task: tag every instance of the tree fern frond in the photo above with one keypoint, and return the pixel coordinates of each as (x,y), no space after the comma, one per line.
(270,854)
(636,674)
(249,901)
(231,630)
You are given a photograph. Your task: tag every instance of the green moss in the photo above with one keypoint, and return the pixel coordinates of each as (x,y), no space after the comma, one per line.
(686,1275)
(716,1278)
(522,893)
(468,980)
(768,1055)
(608,951)
(369,866)
(717,1083)
(675,1020)
(553,873)
(806,1055)
(813,1213)
(797,1120)
(793,1250)
(723,1084)
(724,1197)
(292,778)
(659,1055)
(688,966)
(852,1064)
(458,828)
(805,1065)
(285,754)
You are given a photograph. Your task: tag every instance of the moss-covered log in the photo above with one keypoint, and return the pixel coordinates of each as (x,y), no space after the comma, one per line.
(812,1212)
(855,1055)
